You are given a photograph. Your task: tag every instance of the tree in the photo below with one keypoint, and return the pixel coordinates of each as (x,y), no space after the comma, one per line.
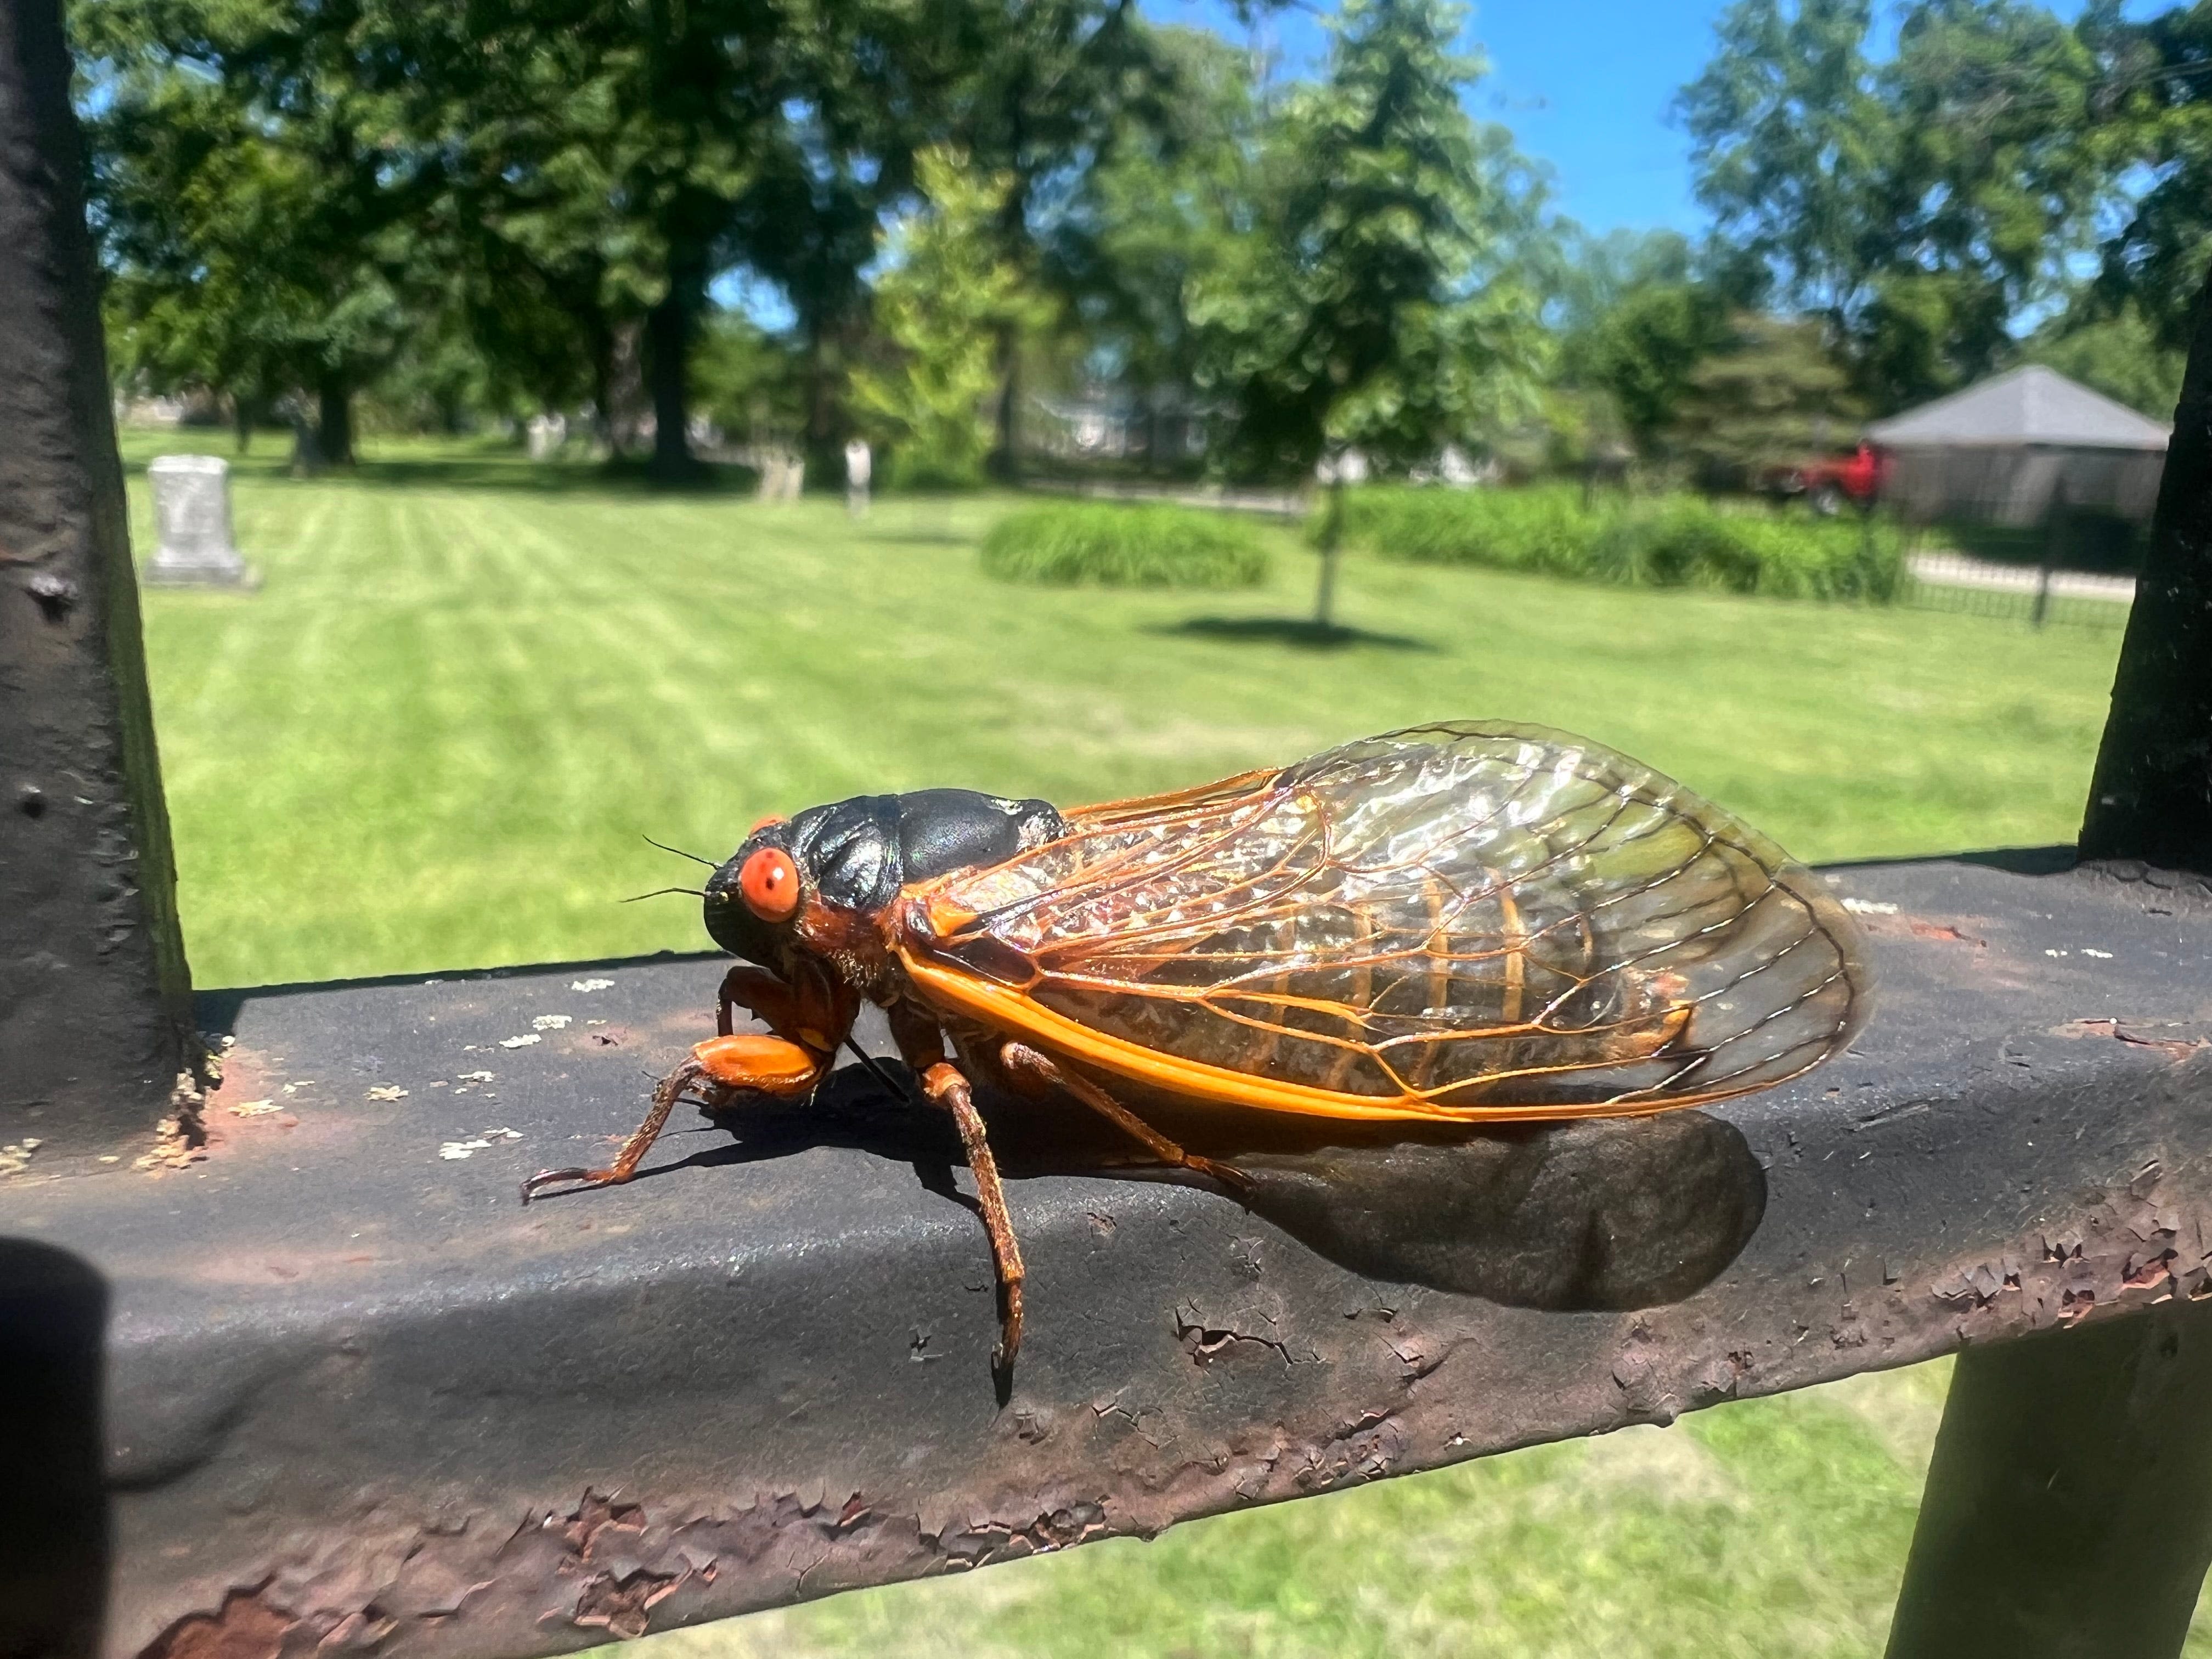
(1919,206)
(1771,394)
(1139,231)
(1991,190)
(1790,145)
(2120,353)
(1366,308)
(1636,321)
(2154,119)
(255,197)
(1036,91)
(947,301)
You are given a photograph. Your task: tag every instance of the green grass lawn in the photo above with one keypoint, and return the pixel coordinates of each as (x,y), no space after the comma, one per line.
(436,735)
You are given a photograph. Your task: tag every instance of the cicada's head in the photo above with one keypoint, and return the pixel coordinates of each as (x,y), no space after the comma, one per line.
(811,886)
(818,883)
(754,899)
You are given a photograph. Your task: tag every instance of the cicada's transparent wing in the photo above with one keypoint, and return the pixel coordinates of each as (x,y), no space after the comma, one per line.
(1458,921)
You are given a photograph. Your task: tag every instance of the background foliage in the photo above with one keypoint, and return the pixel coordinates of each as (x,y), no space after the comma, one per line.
(468,211)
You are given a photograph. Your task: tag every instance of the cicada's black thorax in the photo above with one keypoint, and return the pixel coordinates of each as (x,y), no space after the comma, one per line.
(856,854)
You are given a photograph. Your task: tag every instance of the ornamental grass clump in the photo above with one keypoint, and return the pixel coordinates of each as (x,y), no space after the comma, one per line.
(1545,529)
(1072,543)
(1685,541)
(1672,541)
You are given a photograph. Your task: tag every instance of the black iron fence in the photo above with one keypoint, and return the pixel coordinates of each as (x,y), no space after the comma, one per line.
(2037,595)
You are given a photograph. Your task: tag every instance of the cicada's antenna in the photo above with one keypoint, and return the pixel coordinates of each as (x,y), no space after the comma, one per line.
(696,892)
(680,853)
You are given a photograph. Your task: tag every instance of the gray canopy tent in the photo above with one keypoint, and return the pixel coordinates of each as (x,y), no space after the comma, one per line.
(2008,450)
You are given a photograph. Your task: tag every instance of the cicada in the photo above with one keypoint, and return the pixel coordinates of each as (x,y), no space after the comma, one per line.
(1463,923)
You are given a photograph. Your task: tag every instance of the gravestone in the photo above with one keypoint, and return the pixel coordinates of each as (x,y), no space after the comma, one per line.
(860,467)
(548,433)
(191,519)
(783,473)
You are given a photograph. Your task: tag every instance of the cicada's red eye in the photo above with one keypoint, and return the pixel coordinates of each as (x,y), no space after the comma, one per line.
(769,884)
(760,824)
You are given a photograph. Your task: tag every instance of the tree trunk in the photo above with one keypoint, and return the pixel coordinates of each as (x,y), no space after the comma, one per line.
(1005,462)
(334,419)
(1332,537)
(668,340)
(625,388)
(241,420)
(603,387)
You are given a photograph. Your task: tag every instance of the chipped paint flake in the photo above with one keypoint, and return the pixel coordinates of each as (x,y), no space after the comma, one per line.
(1859,907)
(551,1022)
(591,985)
(522,1042)
(388,1091)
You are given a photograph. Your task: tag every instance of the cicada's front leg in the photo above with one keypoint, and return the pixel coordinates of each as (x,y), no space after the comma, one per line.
(787,1064)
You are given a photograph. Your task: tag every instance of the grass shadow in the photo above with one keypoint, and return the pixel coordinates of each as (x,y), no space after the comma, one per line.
(915,537)
(1301,632)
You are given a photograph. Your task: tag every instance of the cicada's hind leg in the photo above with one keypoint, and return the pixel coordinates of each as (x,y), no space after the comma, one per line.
(735,1064)
(1034,1073)
(945,1087)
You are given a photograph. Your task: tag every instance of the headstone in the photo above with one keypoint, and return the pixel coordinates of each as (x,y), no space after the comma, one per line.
(783,473)
(859,467)
(547,434)
(191,519)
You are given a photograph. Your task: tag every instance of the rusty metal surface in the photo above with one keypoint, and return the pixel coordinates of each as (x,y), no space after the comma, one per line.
(359,1398)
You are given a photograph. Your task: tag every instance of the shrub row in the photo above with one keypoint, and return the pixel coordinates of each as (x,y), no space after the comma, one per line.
(1068,543)
(1674,541)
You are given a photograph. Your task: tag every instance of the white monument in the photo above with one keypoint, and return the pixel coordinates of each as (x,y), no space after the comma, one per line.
(547,434)
(783,473)
(859,467)
(191,519)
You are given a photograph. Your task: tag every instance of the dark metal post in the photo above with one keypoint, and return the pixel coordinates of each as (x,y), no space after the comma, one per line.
(2068,1508)
(94,998)
(2151,797)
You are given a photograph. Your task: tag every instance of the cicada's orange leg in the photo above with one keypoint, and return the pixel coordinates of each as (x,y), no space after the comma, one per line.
(1034,1073)
(945,1087)
(742,1064)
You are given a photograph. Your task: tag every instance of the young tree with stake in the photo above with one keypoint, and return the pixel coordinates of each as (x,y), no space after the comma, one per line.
(1376,306)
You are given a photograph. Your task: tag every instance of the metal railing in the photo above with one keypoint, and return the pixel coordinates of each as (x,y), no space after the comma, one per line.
(1965,586)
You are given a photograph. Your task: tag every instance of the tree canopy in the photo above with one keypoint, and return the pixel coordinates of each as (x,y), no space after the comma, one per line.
(472,210)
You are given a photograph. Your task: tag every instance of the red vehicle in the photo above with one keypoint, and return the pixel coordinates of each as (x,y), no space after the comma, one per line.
(1826,485)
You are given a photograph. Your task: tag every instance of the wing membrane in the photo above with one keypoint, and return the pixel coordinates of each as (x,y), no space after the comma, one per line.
(1461,920)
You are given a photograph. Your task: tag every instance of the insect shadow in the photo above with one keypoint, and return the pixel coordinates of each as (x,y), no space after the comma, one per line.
(1594,1214)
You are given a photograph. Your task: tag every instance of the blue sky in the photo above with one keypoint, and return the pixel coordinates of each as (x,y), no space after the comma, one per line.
(1585,86)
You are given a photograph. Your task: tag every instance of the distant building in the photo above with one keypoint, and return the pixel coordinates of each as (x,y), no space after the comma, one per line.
(2006,450)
